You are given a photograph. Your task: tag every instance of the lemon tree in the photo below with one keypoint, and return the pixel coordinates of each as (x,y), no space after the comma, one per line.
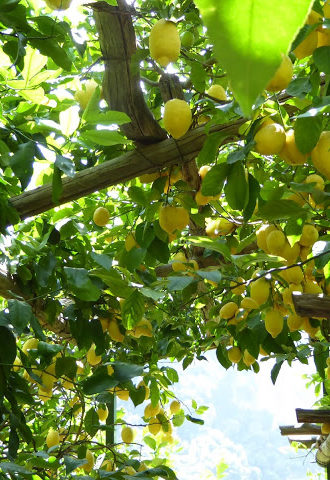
(155,203)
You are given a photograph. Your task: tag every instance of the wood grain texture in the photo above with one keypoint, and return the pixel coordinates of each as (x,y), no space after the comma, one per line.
(311,305)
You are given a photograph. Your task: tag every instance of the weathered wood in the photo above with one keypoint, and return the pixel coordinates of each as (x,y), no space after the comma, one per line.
(304,429)
(311,305)
(144,159)
(121,80)
(312,416)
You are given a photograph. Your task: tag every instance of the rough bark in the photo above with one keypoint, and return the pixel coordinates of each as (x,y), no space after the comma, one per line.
(311,305)
(121,80)
(144,159)
(312,416)
(304,429)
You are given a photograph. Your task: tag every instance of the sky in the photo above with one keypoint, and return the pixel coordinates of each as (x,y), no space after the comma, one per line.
(242,423)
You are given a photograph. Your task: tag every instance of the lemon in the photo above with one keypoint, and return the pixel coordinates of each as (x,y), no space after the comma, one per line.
(294,275)
(217,91)
(110,370)
(84,95)
(270,139)
(90,461)
(309,236)
(220,226)
(114,332)
(149,177)
(307,46)
(103,413)
(262,235)
(294,322)
(178,262)
(142,329)
(228,310)
(101,216)
(260,291)
(275,242)
(164,42)
(249,303)
(130,242)
(317,180)
(142,467)
(53,438)
(92,359)
(127,435)
(203,171)
(58,4)
(321,154)
(273,322)
(129,470)
(154,426)
(290,153)
(312,287)
(122,393)
(173,218)
(108,465)
(201,199)
(290,253)
(44,395)
(234,354)
(30,344)
(325,428)
(177,117)
(187,39)
(323,37)
(151,411)
(282,77)
(307,326)
(263,352)
(239,289)
(248,359)
(175,407)
(48,380)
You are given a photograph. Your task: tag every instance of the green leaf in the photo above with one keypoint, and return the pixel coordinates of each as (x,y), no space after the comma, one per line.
(214,179)
(81,285)
(280,209)
(22,162)
(66,165)
(320,359)
(276,370)
(254,189)
(132,309)
(213,275)
(12,468)
(66,366)
(222,357)
(48,349)
(299,87)
(7,350)
(133,258)
(248,42)
(321,57)
(321,106)
(50,47)
(307,131)
(199,421)
(98,382)
(116,284)
(13,444)
(179,283)
(44,269)
(102,137)
(20,314)
(210,149)
(159,250)
(91,422)
(237,187)
(125,371)
(150,441)
(321,249)
(216,245)
(72,463)
(198,76)
(102,259)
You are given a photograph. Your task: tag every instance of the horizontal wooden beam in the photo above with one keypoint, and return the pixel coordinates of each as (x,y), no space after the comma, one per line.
(310,305)
(312,416)
(304,429)
(144,159)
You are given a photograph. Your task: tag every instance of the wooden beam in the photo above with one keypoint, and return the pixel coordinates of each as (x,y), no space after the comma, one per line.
(304,429)
(312,416)
(144,159)
(310,305)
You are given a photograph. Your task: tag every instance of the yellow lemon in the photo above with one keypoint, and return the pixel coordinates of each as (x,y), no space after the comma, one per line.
(260,290)
(93,359)
(234,354)
(282,77)
(130,242)
(84,95)
(151,411)
(30,344)
(228,310)
(307,46)
(53,438)
(164,42)
(270,139)
(154,426)
(275,242)
(248,359)
(173,218)
(217,91)
(103,413)
(127,435)
(88,467)
(309,235)
(262,235)
(114,332)
(239,289)
(290,153)
(321,154)
(317,180)
(58,4)
(177,117)
(273,322)
(175,407)
(101,216)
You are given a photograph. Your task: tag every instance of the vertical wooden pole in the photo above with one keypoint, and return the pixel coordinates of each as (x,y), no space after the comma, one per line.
(110,433)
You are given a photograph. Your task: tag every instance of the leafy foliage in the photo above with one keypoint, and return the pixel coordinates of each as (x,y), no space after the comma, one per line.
(89,312)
